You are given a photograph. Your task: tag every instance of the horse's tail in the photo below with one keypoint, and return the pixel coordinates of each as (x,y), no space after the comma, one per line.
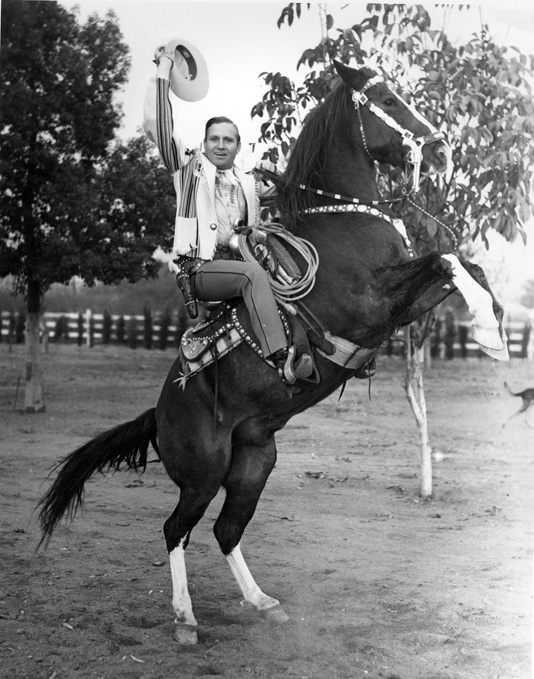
(126,444)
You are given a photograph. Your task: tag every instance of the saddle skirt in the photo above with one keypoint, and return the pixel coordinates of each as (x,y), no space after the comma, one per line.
(225,329)
(229,326)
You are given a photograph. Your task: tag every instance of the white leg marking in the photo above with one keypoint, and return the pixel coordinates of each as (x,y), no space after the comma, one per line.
(246,582)
(485,324)
(181,601)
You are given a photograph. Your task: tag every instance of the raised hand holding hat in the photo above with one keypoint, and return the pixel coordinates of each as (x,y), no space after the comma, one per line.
(160,52)
(188,75)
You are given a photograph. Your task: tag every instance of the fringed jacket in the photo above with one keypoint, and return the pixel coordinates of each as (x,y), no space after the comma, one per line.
(194,174)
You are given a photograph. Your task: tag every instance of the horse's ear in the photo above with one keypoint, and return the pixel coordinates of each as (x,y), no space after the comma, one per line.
(350,76)
(343,71)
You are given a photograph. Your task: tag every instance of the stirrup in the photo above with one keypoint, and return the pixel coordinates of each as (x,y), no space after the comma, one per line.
(293,370)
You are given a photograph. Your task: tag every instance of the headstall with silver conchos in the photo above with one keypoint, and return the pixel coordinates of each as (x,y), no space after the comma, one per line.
(415,144)
(415,158)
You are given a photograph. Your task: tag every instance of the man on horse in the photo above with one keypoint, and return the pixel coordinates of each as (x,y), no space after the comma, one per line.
(213,197)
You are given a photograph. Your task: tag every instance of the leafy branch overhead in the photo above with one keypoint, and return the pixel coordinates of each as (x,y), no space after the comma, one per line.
(479,93)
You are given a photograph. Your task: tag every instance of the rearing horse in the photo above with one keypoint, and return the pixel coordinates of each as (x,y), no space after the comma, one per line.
(368,284)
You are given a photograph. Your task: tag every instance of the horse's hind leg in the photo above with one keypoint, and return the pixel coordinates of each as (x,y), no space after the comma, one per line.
(251,466)
(191,507)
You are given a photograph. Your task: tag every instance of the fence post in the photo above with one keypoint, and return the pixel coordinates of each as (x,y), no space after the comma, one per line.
(147,328)
(88,328)
(121,329)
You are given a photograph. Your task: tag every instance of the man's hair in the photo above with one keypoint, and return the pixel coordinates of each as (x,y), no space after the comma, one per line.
(221,119)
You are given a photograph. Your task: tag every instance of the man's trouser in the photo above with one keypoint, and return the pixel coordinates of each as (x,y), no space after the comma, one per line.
(222,279)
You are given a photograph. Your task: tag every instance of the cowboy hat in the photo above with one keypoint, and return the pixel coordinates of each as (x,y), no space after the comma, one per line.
(189,76)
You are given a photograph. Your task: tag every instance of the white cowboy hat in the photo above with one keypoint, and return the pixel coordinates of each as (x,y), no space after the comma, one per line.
(189,78)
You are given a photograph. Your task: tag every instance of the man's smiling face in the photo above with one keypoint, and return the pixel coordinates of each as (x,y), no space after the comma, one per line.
(222,145)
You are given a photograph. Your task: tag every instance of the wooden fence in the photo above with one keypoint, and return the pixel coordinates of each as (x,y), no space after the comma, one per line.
(450,338)
(152,331)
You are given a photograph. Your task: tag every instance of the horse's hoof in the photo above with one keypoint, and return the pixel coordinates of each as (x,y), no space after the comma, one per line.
(501,355)
(185,634)
(274,614)
(488,338)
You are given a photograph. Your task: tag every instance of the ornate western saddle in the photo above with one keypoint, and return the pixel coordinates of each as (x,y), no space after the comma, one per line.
(227,324)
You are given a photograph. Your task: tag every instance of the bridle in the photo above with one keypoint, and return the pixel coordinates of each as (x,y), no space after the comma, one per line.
(415,144)
(414,158)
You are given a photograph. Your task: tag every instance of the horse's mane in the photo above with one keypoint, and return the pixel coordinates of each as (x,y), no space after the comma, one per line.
(306,161)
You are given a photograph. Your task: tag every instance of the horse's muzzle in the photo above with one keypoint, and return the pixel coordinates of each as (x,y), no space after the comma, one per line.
(438,155)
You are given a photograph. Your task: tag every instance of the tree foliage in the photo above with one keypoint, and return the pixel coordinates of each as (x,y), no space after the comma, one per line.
(72,201)
(478,93)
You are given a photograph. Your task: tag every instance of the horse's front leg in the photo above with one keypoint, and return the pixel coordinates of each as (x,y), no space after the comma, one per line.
(431,279)
(487,328)
(251,466)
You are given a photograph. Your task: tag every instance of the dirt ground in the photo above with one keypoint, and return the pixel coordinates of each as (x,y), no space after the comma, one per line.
(377,583)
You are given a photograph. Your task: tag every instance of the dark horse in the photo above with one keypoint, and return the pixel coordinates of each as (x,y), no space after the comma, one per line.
(368,285)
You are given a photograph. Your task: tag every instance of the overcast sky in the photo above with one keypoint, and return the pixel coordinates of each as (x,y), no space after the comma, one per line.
(240,39)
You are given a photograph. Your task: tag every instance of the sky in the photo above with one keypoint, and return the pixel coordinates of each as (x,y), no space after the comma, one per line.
(240,39)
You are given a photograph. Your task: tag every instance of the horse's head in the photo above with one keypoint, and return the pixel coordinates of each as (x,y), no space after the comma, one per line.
(391,130)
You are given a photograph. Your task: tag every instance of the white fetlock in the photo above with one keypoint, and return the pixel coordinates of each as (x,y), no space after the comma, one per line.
(268,607)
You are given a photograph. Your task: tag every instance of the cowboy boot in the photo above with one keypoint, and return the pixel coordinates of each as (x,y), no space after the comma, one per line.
(291,368)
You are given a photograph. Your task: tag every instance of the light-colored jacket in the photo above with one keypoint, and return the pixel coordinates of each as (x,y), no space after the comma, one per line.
(194,180)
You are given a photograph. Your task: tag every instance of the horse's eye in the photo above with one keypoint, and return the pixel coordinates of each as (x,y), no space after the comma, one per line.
(390,101)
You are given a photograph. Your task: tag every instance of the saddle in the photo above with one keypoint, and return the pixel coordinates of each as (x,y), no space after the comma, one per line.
(227,326)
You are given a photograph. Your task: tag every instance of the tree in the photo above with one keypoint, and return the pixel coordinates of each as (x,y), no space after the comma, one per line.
(479,94)
(71,202)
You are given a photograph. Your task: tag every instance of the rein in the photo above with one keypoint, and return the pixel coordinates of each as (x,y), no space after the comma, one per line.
(348,199)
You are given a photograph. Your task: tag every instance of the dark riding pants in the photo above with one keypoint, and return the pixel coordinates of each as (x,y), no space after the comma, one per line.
(222,279)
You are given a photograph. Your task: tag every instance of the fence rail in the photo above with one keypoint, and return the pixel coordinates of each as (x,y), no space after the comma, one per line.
(450,338)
